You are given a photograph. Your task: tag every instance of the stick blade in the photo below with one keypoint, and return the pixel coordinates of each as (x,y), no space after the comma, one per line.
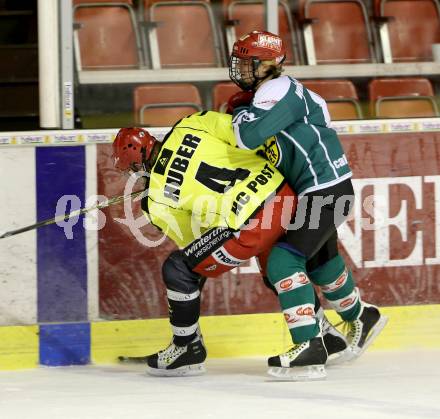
(133,359)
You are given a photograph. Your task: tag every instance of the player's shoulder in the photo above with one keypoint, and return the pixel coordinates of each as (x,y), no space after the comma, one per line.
(219,117)
(205,119)
(271,92)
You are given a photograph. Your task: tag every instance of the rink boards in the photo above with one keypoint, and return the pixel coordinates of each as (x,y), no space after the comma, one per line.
(67,286)
(409,328)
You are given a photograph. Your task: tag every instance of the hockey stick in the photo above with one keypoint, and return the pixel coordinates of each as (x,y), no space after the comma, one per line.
(107,203)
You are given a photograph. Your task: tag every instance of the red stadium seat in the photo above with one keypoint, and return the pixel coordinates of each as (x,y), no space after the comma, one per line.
(408,28)
(244,16)
(340,95)
(337,31)
(182,33)
(106,35)
(402,97)
(221,93)
(162,105)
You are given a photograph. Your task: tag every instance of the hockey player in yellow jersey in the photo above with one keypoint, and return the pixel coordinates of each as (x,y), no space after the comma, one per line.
(210,198)
(199,181)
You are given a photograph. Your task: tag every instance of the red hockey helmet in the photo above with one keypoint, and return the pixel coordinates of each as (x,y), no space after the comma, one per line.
(249,52)
(132,149)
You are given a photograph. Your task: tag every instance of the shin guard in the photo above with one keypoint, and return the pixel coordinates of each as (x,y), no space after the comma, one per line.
(337,285)
(287,273)
(183,292)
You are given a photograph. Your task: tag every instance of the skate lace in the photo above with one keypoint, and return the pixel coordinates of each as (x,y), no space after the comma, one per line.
(353,331)
(325,325)
(171,353)
(295,350)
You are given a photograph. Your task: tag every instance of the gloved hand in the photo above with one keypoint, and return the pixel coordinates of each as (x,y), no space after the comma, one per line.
(239,99)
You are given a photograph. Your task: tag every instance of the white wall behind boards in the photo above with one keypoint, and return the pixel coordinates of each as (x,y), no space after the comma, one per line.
(18,270)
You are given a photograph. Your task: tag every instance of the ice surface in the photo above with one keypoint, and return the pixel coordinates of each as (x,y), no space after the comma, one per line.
(379,385)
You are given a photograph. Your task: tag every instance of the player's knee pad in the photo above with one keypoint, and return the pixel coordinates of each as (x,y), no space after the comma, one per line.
(334,279)
(178,276)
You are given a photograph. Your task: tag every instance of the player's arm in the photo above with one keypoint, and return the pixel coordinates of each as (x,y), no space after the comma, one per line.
(174,223)
(276,105)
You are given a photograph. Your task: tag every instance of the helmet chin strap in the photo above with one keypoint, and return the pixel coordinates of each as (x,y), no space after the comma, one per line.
(149,163)
(255,64)
(272,73)
(261,80)
(145,162)
(146,169)
(258,81)
(144,156)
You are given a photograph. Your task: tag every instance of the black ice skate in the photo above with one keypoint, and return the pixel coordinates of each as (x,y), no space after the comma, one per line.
(365,329)
(303,362)
(337,346)
(176,361)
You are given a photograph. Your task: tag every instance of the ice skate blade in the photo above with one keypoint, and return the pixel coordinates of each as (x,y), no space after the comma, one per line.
(374,332)
(346,355)
(308,373)
(185,371)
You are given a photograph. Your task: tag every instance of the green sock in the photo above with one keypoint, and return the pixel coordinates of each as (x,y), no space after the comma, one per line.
(287,273)
(337,285)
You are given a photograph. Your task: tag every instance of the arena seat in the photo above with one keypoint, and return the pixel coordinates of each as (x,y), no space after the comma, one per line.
(402,97)
(106,35)
(244,16)
(221,93)
(162,105)
(408,28)
(336,32)
(340,95)
(181,33)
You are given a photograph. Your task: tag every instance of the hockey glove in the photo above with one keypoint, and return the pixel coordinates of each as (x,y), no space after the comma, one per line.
(239,99)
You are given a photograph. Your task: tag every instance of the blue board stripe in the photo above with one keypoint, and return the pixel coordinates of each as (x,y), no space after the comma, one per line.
(61,262)
(65,344)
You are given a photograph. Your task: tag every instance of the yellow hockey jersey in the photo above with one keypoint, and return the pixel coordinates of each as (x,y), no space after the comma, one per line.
(201,180)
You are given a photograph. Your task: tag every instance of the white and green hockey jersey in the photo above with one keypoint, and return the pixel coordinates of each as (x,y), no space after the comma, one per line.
(292,126)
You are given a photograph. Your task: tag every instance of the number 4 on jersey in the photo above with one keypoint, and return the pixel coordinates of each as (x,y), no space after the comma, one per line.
(215,178)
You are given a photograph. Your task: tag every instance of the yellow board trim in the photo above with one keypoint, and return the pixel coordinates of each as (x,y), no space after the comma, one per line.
(18,347)
(408,328)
